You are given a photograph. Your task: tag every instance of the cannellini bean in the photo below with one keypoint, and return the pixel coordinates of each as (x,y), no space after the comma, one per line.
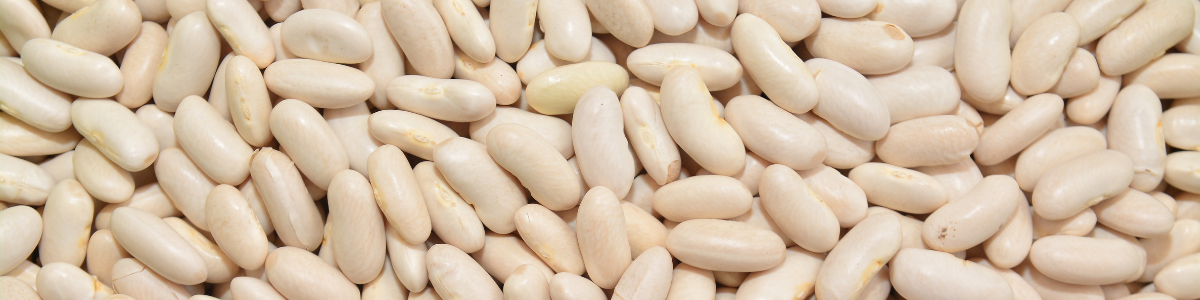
(414,134)
(1135,213)
(982,60)
(1082,75)
(1136,130)
(599,227)
(719,69)
(326,35)
(1079,224)
(928,141)
(645,231)
(568,286)
(1041,54)
(913,270)
(859,255)
(320,84)
(23,139)
(497,76)
(1181,168)
(495,193)
(689,115)
(66,224)
(958,177)
(648,277)
(31,101)
(1097,17)
(899,188)
(794,277)
(1164,249)
(845,198)
(1054,149)
(598,134)
(293,214)
(1173,280)
(704,33)
(116,132)
(1083,260)
(1010,246)
(15,289)
(103,27)
(842,150)
(453,273)
(153,241)
(859,111)
(1180,128)
(688,282)
(936,49)
(238,22)
(728,246)
(550,238)
(103,252)
(702,197)
(917,18)
(189,62)
(396,190)
(139,64)
(1018,129)
(1168,75)
(627,20)
(526,282)
(422,35)
(103,178)
(23,22)
(298,274)
(869,47)
(532,159)
(918,91)
(799,212)
(467,29)
(22,230)
(248,101)
(61,281)
(452,218)
(407,261)
(781,74)
(235,227)
(444,99)
(502,254)
(211,142)
(1145,34)
(1081,183)
(758,217)
(511,25)
(71,69)
(644,122)
(310,141)
(554,130)
(356,227)
(220,267)
(975,217)
(386,61)
(1089,108)
(776,134)
(132,278)
(546,95)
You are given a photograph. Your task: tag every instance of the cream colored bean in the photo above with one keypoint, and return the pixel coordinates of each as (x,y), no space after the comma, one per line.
(161,123)
(918,91)
(512,26)
(453,273)
(917,18)
(869,47)
(773,66)
(17,290)
(794,20)
(1144,35)
(555,130)
(281,53)
(139,64)
(550,98)
(537,60)
(454,100)
(655,148)
(356,227)
(1174,279)
(453,219)
(253,288)
(279,10)
(603,248)
(928,141)
(1009,246)
(1082,75)
(758,217)
(62,281)
(103,252)
(718,12)
(1135,213)
(345,7)
(1080,224)
(565,28)
(1081,183)
(567,286)
(220,267)
(798,211)
(845,198)
(25,140)
(1018,129)
(842,150)
(103,27)
(725,245)
(497,76)
(860,255)
(598,133)
(26,272)
(116,132)
(31,101)
(326,35)
(1191,44)
(413,133)
(689,116)
(648,277)
(704,33)
(936,49)
(24,182)
(859,112)
(249,102)
(673,17)
(776,134)
(397,193)
(719,69)
(153,241)
(422,35)
(100,176)
(1027,12)
(958,177)
(688,282)
(184,183)
(238,22)
(1097,17)
(1168,76)
(71,69)
(23,22)
(132,278)
(189,62)
(972,219)
(351,125)
(495,193)
(702,197)
(235,227)
(22,230)
(407,261)
(526,282)
(66,224)
(180,8)
(386,61)
(502,254)
(312,143)
(320,84)
(912,270)
(794,277)
(211,142)
(467,29)
(300,275)
(1181,170)
(531,159)
(628,20)
(1056,148)
(899,188)
(1083,260)
(1136,130)
(981,60)
(1020,288)
(847,9)
(60,167)
(1041,54)
(1162,250)
(150,198)
(1180,127)
(644,230)
(282,189)
(1089,108)
(550,238)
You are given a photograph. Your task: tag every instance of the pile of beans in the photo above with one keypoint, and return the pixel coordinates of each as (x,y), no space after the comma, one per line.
(599,149)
